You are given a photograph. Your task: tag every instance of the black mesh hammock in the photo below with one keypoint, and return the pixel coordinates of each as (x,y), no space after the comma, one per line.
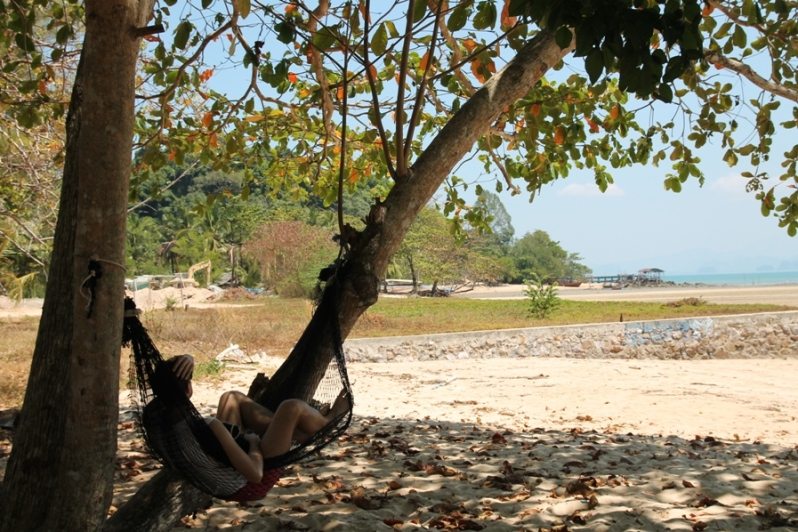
(181,439)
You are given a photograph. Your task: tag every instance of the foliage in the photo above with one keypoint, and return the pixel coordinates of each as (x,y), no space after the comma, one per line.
(536,255)
(497,218)
(170,303)
(33,89)
(283,127)
(37,63)
(209,368)
(542,298)
(289,113)
(430,252)
(290,255)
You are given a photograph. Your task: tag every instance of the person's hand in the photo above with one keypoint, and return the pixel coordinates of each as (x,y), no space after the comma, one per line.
(254,441)
(184,367)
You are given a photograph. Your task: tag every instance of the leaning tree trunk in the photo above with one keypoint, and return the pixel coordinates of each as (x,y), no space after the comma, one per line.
(158,505)
(60,474)
(389,222)
(357,289)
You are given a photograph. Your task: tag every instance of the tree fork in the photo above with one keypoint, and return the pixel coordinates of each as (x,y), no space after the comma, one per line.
(388,222)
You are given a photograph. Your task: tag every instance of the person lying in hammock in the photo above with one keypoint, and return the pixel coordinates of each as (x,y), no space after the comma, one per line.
(249,432)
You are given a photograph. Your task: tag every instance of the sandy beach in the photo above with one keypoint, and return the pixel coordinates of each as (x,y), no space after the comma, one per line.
(202,298)
(536,444)
(548,444)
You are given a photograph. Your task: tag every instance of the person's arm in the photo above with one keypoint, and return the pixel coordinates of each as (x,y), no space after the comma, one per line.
(248,464)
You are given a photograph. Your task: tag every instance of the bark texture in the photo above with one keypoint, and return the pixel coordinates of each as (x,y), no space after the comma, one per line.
(60,474)
(158,505)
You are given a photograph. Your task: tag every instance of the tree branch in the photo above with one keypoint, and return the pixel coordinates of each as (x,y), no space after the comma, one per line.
(500,165)
(172,183)
(748,73)
(375,101)
(201,48)
(419,103)
(401,162)
(318,70)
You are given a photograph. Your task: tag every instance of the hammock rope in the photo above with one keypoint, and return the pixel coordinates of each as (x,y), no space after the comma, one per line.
(178,435)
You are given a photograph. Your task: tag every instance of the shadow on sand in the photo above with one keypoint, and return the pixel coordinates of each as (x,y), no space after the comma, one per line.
(424,474)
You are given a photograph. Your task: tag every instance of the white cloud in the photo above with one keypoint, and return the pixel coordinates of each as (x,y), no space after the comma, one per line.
(585,190)
(729,184)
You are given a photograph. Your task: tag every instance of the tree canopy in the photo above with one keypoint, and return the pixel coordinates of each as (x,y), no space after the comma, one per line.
(341,93)
(260,89)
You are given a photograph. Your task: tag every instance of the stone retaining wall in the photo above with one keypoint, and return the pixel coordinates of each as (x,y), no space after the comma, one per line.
(773,335)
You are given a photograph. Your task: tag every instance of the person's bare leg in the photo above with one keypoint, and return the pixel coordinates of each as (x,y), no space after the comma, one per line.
(291,416)
(227,411)
(256,417)
(239,409)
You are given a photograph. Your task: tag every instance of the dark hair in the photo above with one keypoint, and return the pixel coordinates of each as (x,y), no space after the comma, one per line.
(166,384)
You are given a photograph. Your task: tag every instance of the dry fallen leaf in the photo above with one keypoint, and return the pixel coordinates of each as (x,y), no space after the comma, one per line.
(363,501)
(498,438)
(707,501)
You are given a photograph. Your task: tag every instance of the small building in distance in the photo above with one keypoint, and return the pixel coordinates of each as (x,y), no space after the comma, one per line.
(649,276)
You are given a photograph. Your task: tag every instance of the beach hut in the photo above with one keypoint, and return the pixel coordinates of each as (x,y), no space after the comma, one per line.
(650,276)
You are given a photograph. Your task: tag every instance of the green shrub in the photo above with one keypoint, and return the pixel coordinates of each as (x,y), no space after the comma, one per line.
(543,299)
(211,368)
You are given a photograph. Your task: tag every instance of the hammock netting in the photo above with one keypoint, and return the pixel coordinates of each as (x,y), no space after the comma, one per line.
(179,436)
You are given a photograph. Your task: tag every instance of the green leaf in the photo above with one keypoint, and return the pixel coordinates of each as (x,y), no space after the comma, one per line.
(244,7)
(182,33)
(24,41)
(563,37)
(673,184)
(324,38)
(665,93)
(730,157)
(739,38)
(285,32)
(594,64)
(419,8)
(486,16)
(63,34)
(380,40)
(746,150)
(675,68)
(458,18)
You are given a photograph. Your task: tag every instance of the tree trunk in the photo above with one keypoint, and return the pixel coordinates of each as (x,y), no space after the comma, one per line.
(388,223)
(413,275)
(60,474)
(158,505)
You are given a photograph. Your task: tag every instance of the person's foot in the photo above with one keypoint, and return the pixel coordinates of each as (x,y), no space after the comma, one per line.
(340,405)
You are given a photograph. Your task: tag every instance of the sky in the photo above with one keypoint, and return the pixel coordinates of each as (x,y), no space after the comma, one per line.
(636,224)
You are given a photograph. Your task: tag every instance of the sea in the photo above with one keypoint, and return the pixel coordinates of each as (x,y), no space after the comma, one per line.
(735,279)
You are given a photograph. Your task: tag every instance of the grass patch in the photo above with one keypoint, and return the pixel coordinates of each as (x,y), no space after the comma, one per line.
(17,338)
(212,369)
(273,325)
(399,317)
